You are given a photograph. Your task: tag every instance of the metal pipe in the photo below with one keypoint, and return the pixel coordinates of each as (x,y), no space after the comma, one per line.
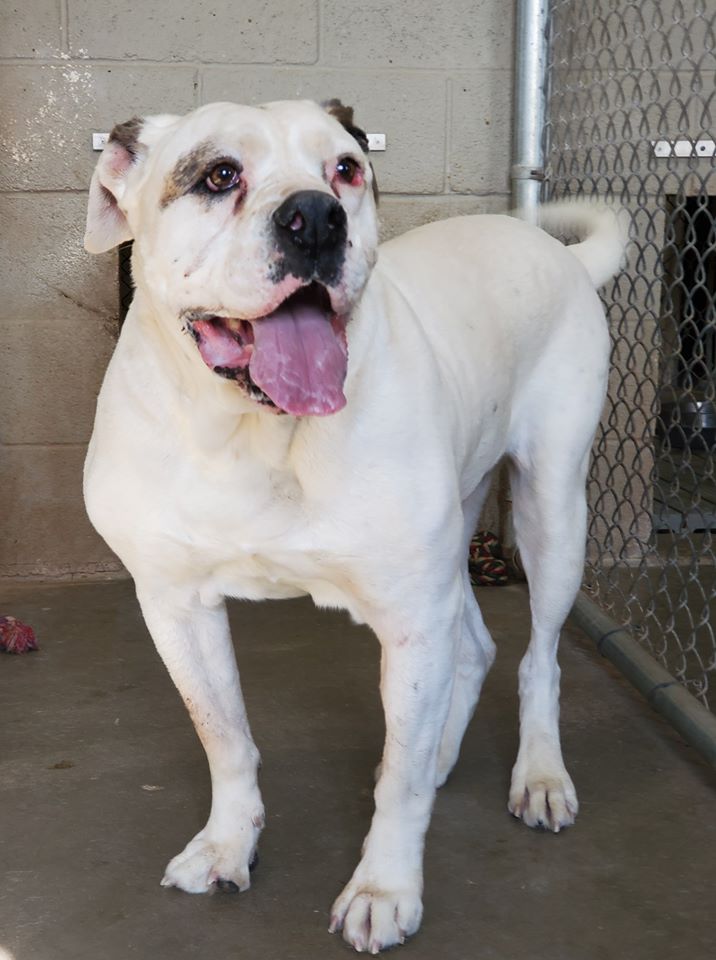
(527,172)
(530,68)
(692,720)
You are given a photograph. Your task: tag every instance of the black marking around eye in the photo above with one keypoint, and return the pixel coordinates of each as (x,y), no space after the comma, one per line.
(190,171)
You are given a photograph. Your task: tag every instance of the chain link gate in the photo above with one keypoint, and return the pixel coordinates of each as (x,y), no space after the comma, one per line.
(630,95)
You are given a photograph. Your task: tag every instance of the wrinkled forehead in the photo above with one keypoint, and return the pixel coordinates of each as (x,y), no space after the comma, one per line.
(278,130)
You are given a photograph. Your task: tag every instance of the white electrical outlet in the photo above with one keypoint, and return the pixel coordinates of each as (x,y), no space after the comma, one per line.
(99,141)
(376,141)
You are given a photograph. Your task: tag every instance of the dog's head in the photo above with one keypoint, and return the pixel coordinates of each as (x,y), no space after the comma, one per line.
(255,231)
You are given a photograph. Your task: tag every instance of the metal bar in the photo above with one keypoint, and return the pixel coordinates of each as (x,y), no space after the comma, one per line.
(692,720)
(530,70)
(527,173)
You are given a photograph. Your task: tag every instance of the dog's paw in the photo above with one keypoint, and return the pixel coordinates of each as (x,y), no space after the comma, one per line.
(374,919)
(204,864)
(543,799)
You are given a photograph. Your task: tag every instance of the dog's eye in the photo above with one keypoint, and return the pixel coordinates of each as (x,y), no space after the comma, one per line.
(349,171)
(222,177)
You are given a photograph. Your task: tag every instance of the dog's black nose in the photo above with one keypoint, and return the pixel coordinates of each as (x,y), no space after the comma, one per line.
(311,232)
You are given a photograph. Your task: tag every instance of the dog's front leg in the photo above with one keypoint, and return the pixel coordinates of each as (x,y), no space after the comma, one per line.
(195,644)
(382,903)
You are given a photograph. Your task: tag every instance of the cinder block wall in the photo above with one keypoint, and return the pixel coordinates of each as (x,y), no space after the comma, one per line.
(435,78)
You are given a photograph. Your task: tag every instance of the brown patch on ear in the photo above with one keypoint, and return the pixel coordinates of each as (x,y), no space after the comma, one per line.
(127,134)
(344,115)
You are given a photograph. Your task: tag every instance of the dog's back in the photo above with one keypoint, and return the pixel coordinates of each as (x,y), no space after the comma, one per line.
(510,318)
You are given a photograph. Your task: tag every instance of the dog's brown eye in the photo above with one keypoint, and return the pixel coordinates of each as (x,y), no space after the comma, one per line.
(223,176)
(348,170)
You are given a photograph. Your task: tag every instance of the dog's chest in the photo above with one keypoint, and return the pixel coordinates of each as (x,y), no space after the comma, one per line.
(248,530)
(224,507)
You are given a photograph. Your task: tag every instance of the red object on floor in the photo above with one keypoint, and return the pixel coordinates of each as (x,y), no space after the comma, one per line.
(15,636)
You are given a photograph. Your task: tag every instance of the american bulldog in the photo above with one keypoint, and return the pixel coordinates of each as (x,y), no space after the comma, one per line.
(292,409)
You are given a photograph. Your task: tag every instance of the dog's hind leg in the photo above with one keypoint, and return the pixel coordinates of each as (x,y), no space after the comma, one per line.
(194,642)
(475,653)
(550,523)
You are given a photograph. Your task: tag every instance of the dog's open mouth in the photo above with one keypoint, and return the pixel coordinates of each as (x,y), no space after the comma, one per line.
(294,358)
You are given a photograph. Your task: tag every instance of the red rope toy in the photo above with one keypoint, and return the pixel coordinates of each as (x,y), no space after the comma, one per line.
(16,637)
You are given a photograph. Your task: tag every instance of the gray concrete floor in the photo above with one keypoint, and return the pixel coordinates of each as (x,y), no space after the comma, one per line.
(92,720)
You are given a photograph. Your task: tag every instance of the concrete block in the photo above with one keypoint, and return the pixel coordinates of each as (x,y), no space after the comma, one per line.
(400,214)
(410,110)
(46,532)
(479,152)
(390,33)
(47,134)
(53,372)
(253,31)
(36,35)
(46,271)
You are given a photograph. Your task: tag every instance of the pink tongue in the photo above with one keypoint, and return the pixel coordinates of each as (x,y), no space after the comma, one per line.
(299,360)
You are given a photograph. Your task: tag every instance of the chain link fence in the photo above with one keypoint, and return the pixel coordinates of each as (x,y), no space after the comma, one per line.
(630,98)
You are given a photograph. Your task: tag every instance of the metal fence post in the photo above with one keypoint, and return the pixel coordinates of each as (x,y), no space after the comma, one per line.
(530,69)
(527,172)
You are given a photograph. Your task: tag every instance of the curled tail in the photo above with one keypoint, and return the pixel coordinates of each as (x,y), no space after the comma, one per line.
(606,228)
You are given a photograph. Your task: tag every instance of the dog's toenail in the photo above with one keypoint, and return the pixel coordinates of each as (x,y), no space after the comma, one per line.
(227,886)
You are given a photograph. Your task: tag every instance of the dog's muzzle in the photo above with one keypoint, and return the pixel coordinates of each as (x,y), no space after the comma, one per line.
(311,231)
(293,359)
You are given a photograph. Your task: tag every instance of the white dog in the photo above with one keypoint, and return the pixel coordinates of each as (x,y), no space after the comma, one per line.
(290,410)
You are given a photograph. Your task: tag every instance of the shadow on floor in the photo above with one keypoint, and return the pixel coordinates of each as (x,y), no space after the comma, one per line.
(91,722)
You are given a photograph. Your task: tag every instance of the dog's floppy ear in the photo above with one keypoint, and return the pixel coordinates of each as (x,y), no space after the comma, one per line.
(344,115)
(128,145)
(107,226)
